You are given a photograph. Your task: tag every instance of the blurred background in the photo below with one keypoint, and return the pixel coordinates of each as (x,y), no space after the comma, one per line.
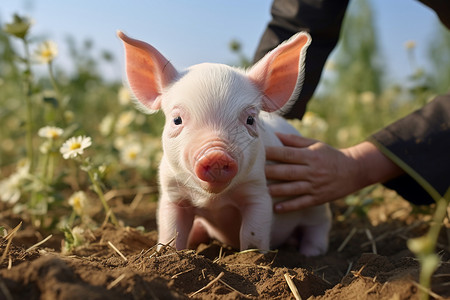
(61,65)
(190,32)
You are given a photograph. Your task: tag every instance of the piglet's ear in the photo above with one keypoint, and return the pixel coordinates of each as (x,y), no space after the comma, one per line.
(279,74)
(148,72)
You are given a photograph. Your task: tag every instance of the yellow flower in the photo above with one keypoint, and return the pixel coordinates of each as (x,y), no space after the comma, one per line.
(46,52)
(75,146)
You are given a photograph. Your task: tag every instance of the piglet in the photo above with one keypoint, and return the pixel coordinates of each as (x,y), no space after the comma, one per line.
(219,119)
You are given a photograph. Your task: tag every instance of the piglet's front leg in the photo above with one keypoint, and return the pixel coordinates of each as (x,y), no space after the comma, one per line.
(174,222)
(256,223)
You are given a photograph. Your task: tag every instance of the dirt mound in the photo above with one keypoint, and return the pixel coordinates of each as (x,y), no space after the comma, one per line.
(373,264)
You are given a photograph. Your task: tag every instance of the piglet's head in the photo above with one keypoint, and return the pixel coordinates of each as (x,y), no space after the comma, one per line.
(212,110)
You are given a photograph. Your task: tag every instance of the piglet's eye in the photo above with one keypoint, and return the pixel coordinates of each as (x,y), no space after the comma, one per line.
(250,120)
(178,120)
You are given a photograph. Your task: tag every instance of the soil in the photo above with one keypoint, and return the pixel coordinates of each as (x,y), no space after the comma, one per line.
(375,263)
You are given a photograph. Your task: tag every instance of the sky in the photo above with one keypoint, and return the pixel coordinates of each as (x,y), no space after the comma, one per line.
(188,32)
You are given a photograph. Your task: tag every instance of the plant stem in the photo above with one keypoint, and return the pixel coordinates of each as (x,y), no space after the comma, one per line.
(432,237)
(50,168)
(58,93)
(29,113)
(100,194)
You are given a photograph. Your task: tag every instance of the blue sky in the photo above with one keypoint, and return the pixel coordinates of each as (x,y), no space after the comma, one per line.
(194,31)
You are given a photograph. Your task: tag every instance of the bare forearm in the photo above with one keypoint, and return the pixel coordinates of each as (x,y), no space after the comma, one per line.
(371,166)
(313,173)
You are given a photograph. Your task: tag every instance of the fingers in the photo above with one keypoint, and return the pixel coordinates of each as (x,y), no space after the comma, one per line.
(287,189)
(286,172)
(288,155)
(292,151)
(293,140)
(295,204)
(297,168)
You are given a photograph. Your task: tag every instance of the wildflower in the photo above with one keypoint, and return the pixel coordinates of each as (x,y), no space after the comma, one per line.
(330,66)
(120,142)
(10,188)
(367,97)
(45,147)
(78,236)
(106,125)
(69,115)
(46,52)
(124,121)
(346,135)
(75,146)
(410,45)
(72,238)
(131,155)
(19,27)
(102,169)
(50,132)
(124,96)
(79,202)
(314,124)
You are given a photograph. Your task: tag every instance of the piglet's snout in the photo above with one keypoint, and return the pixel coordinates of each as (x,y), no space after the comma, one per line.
(216,166)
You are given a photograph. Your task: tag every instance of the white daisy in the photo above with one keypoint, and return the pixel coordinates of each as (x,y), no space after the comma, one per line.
(106,125)
(124,96)
(75,146)
(10,188)
(78,236)
(124,120)
(134,155)
(130,154)
(46,52)
(79,202)
(50,132)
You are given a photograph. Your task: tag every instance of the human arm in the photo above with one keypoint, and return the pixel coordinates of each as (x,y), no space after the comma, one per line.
(314,173)
(420,144)
(410,156)
(322,20)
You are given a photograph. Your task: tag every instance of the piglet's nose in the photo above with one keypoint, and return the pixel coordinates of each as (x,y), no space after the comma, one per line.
(216,166)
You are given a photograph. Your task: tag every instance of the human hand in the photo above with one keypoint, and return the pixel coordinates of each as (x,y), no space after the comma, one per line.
(312,172)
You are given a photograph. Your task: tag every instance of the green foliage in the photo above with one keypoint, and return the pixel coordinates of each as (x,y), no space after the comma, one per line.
(39,113)
(424,247)
(358,65)
(439,57)
(236,47)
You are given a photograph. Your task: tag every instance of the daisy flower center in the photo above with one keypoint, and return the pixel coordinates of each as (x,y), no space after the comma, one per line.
(75,146)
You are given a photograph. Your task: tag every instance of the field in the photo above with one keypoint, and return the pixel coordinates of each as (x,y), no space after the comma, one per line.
(375,263)
(78,192)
